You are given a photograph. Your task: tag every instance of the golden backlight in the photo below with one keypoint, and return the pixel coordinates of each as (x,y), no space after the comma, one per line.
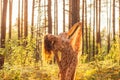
(60,13)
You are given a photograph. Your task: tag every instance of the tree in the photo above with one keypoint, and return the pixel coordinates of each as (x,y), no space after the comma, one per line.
(70,13)
(113,19)
(63,15)
(0,17)
(98,11)
(21,35)
(75,11)
(94,28)
(83,26)
(108,25)
(1,61)
(119,21)
(18,19)
(32,22)
(86,26)
(99,36)
(25,18)
(90,19)
(38,35)
(3,24)
(0,11)
(56,17)
(10,17)
(49,17)
(45,14)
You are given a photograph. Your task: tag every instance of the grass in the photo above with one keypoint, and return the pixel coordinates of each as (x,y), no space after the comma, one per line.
(95,70)
(20,65)
(29,73)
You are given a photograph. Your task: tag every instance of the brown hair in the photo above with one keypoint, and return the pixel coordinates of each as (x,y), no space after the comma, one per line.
(47,44)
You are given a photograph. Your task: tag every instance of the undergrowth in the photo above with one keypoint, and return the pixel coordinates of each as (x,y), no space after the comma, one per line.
(20,64)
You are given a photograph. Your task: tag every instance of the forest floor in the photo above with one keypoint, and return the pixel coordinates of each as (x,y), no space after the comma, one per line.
(85,71)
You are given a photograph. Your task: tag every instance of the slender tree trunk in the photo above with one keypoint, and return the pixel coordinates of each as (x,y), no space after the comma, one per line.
(32,22)
(49,17)
(1,61)
(97,29)
(54,15)
(89,43)
(38,18)
(56,18)
(45,14)
(99,22)
(86,27)
(22,20)
(83,26)
(119,23)
(10,18)
(70,14)
(0,12)
(38,43)
(3,24)
(25,26)
(63,15)
(25,18)
(98,39)
(108,25)
(0,19)
(18,19)
(94,30)
(113,19)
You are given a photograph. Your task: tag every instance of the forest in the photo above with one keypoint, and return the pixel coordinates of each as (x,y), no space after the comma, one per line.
(59,39)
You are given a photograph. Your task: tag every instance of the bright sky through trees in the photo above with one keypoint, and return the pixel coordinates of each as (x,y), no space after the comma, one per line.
(60,15)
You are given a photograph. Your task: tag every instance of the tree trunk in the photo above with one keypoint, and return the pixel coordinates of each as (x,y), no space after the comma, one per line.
(49,17)
(0,19)
(70,14)
(108,25)
(3,24)
(10,17)
(89,41)
(1,61)
(45,15)
(63,15)
(32,22)
(98,38)
(38,43)
(25,18)
(18,19)
(119,23)
(21,20)
(86,27)
(97,29)
(94,29)
(83,26)
(99,23)
(75,11)
(56,17)
(113,19)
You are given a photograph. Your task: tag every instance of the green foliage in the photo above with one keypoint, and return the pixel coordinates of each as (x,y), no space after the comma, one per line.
(16,53)
(20,64)
(114,54)
(105,66)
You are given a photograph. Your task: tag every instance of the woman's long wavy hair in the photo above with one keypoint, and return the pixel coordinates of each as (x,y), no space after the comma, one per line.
(48,46)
